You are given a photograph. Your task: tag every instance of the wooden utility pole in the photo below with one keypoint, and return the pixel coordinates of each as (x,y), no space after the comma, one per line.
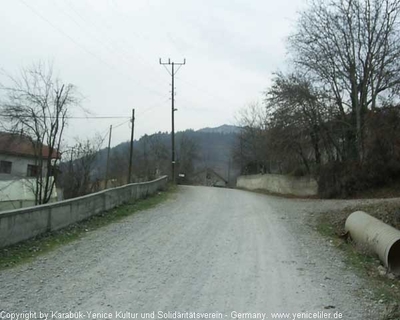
(108,156)
(173,73)
(131,148)
(229,171)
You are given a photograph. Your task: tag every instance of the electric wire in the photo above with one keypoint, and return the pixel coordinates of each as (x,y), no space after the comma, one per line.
(85,49)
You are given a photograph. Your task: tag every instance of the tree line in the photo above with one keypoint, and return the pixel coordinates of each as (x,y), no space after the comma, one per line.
(37,106)
(335,115)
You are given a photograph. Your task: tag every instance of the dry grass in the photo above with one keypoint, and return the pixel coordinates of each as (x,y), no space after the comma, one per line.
(386,289)
(388,212)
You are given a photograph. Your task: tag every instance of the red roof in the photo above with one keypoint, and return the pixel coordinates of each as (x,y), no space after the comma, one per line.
(22,145)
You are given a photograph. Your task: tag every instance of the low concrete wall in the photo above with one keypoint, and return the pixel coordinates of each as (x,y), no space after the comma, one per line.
(21,224)
(16,204)
(298,186)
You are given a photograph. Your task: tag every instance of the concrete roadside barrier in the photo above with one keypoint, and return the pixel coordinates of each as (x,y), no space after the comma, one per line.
(22,224)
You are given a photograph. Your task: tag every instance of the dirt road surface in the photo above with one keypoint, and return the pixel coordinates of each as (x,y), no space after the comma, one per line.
(204,250)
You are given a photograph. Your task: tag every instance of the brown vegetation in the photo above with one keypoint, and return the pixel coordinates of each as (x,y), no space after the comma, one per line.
(335,115)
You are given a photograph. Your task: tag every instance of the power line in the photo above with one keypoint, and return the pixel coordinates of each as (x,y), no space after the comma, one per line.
(121,124)
(110,47)
(67,117)
(209,94)
(64,33)
(155,105)
(98,117)
(108,44)
(112,41)
(85,49)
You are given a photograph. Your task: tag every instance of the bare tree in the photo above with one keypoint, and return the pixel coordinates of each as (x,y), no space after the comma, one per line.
(250,151)
(351,49)
(38,103)
(188,152)
(160,154)
(118,163)
(297,112)
(77,173)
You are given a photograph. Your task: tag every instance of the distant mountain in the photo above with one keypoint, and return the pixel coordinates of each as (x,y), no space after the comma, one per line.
(225,129)
(214,148)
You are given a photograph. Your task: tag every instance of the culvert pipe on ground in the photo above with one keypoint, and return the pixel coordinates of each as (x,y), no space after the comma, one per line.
(377,236)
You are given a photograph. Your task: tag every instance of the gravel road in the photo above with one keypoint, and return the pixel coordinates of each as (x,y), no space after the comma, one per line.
(204,250)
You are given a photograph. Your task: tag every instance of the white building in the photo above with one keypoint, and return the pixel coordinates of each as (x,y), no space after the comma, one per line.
(18,171)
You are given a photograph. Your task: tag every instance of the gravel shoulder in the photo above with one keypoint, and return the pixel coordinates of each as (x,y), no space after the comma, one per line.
(205,250)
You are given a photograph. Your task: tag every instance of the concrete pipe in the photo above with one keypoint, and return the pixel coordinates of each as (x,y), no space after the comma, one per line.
(383,239)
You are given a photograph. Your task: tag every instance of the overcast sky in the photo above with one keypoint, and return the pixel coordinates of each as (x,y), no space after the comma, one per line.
(110,50)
